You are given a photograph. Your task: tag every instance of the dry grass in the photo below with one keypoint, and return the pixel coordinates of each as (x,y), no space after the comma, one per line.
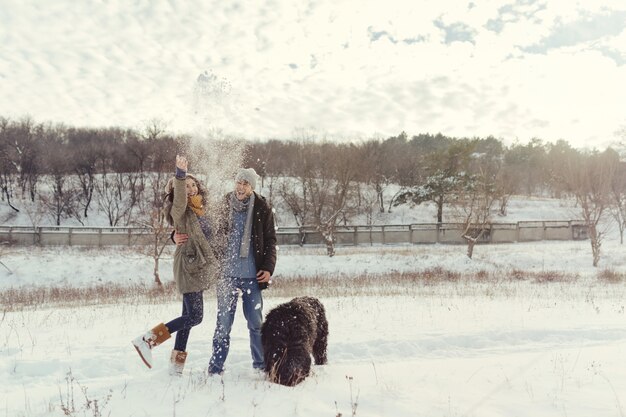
(553,276)
(25,297)
(610,276)
(541,276)
(402,283)
(335,285)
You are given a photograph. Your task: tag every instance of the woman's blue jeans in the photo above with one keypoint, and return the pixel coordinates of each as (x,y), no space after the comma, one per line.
(193,310)
(252,301)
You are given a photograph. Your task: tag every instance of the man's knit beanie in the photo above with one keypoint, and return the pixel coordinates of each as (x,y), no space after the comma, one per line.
(249,175)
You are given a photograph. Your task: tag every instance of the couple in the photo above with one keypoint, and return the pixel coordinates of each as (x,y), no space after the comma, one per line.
(238,245)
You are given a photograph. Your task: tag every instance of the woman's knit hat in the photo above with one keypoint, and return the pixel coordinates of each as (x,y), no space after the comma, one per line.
(249,175)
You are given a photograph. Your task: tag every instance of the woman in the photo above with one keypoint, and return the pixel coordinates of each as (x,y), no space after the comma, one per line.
(194,265)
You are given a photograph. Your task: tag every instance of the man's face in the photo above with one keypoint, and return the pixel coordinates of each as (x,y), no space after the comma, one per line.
(243,189)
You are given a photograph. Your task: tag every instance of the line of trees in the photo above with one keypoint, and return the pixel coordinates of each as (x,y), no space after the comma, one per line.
(61,172)
(326,184)
(320,184)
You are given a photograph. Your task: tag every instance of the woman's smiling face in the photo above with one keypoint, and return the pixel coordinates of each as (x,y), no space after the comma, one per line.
(192,187)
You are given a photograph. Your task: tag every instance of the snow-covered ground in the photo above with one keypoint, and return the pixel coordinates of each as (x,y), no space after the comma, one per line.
(496,346)
(520,208)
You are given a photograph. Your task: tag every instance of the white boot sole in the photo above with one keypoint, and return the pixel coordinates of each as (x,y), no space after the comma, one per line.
(143,350)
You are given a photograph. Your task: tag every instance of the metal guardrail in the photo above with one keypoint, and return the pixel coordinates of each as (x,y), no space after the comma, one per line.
(418,233)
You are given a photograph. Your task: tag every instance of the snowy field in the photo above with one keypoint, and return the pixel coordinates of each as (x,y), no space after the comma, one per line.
(527,329)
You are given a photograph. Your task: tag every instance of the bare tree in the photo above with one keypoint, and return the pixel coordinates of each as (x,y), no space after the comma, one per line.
(162,148)
(35,213)
(472,207)
(2,246)
(369,201)
(83,146)
(111,199)
(294,196)
(25,139)
(331,191)
(150,215)
(322,192)
(293,189)
(61,203)
(373,161)
(588,177)
(7,168)
(153,220)
(618,197)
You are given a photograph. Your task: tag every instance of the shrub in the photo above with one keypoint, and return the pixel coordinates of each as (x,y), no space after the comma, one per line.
(610,276)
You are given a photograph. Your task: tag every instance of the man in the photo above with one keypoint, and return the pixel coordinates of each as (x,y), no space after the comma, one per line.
(246,225)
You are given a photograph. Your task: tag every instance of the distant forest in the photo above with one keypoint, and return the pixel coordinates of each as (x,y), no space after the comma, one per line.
(321,183)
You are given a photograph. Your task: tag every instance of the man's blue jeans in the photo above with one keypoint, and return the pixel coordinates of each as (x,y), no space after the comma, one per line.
(252,301)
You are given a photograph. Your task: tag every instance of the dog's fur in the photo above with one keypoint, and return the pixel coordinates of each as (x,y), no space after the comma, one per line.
(291,333)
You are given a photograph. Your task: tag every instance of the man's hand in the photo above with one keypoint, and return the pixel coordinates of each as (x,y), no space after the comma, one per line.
(263,276)
(180,238)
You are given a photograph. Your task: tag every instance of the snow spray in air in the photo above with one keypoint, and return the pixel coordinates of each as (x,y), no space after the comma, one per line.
(216,153)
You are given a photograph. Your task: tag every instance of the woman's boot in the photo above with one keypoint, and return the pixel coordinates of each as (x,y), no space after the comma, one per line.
(177,362)
(146,342)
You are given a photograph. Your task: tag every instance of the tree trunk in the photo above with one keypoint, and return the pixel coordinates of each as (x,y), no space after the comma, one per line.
(470,248)
(89,197)
(5,191)
(157,278)
(594,239)
(157,256)
(595,250)
(503,205)
(440,209)
(7,268)
(330,248)
(328,237)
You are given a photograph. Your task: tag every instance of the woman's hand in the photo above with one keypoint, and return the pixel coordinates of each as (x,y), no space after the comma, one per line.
(180,238)
(181,162)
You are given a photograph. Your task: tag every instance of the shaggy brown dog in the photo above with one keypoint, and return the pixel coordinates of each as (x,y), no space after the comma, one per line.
(291,333)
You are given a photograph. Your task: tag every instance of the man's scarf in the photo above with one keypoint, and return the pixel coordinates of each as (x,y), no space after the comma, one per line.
(247,204)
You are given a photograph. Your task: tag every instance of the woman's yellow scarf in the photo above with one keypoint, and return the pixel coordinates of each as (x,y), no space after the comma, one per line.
(195,203)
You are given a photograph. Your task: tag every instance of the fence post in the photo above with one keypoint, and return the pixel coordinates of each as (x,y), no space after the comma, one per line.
(69,236)
(571,229)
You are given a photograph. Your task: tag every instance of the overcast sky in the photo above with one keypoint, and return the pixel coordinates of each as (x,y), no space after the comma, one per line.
(340,69)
